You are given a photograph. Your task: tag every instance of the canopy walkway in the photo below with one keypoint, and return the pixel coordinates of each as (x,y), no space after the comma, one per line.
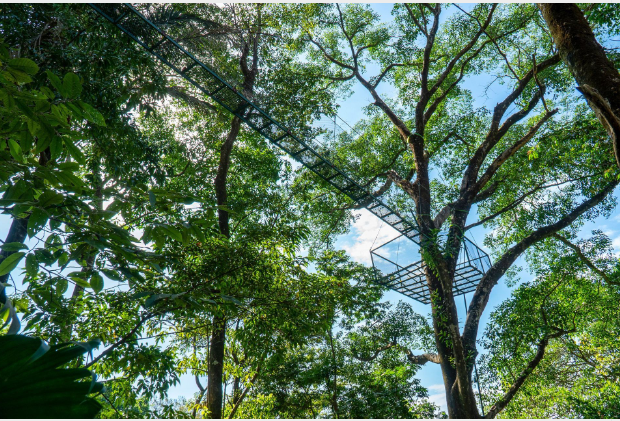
(306,151)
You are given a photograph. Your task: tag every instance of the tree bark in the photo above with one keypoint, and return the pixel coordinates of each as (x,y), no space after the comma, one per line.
(218,337)
(216,368)
(586,59)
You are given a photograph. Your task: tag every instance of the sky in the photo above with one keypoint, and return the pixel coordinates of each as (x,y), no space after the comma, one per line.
(368,231)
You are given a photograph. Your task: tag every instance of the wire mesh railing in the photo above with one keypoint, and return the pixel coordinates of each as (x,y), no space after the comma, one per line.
(399,266)
(312,153)
(306,151)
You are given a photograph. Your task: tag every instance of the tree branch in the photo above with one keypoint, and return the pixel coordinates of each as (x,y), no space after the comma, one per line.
(179,93)
(423,358)
(490,279)
(506,154)
(463,51)
(583,258)
(245,392)
(504,400)
(495,132)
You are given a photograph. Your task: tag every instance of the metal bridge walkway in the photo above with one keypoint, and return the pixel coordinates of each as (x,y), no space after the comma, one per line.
(168,51)
(154,40)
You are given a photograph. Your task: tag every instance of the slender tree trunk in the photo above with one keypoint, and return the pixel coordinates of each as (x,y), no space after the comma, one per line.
(216,357)
(218,337)
(78,291)
(216,368)
(586,59)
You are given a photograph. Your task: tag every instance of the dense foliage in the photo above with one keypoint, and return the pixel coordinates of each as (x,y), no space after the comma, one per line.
(140,213)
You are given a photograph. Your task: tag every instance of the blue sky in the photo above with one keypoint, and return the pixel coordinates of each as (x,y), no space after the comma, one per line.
(368,229)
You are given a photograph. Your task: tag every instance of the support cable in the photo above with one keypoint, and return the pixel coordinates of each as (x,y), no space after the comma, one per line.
(169,52)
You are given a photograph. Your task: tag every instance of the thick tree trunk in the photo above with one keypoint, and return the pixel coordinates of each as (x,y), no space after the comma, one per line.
(586,59)
(457,378)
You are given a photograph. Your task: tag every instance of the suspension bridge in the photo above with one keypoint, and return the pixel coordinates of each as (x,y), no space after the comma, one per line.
(407,279)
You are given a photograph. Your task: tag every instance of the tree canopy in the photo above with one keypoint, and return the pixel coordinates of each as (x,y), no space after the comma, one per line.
(142,212)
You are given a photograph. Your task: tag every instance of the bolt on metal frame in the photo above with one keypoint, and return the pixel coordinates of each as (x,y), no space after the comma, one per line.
(159,44)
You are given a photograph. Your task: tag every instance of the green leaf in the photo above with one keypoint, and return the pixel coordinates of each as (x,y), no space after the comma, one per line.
(15,246)
(173,232)
(79,281)
(55,80)
(32,265)
(49,198)
(7,99)
(71,85)
(47,92)
(19,76)
(10,262)
(25,65)
(152,198)
(37,383)
(75,152)
(16,151)
(112,274)
(92,115)
(37,219)
(96,282)
(56,147)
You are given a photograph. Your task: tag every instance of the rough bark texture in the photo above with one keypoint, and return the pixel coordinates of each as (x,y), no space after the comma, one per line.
(586,59)
(216,365)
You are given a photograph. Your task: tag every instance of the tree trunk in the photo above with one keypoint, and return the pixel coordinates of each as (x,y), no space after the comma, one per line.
(460,398)
(586,59)
(97,184)
(18,232)
(216,368)
(218,337)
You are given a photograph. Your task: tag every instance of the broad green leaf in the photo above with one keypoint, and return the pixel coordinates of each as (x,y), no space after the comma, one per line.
(173,232)
(112,274)
(32,265)
(79,281)
(92,114)
(47,92)
(16,151)
(75,152)
(56,147)
(71,85)
(15,246)
(19,76)
(7,99)
(55,81)
(49,198)
(11,262)
(37,219)
(96,282)
(25,65)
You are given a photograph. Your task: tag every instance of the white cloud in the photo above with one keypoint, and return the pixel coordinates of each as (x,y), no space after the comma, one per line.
(616,245)
(437,387)
(438,398)
(367,230)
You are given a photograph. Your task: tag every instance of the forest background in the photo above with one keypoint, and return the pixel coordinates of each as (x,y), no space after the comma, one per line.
(154,117)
